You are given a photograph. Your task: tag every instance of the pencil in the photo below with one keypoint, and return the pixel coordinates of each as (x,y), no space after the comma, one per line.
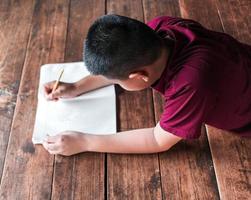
(57,82)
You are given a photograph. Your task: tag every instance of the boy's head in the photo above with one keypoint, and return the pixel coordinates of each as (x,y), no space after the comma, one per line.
(124,50)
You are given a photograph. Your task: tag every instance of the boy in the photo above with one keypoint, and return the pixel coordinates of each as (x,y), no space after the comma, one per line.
(204,76)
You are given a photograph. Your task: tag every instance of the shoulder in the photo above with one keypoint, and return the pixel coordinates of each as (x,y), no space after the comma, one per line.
(171,21)
(160,20)
(194,76)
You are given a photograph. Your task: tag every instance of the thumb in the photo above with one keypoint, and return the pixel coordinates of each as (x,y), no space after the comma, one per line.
(56,94)
(50,139)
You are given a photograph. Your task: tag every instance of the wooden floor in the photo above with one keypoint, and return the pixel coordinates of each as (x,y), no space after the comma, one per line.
(32,33)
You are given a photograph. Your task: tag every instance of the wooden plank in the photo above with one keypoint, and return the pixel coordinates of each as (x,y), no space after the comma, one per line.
(80,176)
(232,162)
(232,154)
(235,18)
(14,38)
(133,176)
(154,8)
(28,170)
(196,10)
(186,169)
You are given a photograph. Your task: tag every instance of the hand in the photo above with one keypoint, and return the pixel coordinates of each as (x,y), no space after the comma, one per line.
(66,143)
(64,90)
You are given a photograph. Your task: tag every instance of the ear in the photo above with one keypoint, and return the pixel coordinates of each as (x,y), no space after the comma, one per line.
(143,75)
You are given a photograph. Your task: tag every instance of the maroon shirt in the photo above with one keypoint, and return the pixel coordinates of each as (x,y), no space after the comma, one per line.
(207,79)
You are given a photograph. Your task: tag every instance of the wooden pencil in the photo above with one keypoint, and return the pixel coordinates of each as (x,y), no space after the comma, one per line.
(58,80)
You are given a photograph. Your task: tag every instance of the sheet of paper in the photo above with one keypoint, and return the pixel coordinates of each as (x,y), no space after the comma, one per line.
(93,112)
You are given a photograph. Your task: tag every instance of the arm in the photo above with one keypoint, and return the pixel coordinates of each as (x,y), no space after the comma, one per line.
(147,140)
(70,90)
(90,83)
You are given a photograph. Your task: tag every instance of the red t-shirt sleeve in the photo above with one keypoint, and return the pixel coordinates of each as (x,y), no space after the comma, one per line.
(169,20)
(184,111)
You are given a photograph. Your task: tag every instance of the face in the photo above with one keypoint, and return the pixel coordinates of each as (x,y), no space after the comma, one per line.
(145,76)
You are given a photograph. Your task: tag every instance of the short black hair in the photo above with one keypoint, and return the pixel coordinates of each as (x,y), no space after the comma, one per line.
(117,45)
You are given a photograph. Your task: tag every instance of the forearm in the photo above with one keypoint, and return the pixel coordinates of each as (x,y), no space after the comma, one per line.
(134,141)
(90,83)
(148,140)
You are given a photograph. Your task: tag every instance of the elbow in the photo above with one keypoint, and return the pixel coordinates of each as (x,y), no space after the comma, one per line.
(163,147)
(164,140)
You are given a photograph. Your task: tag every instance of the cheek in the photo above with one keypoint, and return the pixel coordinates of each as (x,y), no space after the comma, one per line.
(133,85)
(129,88)
(126,86)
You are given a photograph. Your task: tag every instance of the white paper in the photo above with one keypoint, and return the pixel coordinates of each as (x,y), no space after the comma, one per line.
(93,112)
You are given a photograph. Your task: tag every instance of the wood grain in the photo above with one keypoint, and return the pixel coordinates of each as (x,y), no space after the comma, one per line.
(235,18)
(28,169)
(232,161)
(133,176)
(186,169)
(231,154)
(35,32)
(80,176)
(14,38)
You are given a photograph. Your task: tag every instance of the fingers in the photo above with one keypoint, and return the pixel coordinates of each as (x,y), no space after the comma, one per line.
(56,94)
(64,90)
(53,96)
(52,145)
(52,148)
(52,139)
(48,87)
(49,93)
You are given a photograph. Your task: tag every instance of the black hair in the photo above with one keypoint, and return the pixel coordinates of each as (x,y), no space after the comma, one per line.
(116,46)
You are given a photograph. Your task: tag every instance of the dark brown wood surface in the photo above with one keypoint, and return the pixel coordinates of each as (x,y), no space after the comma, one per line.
(186,169)
(28,169)
(13,47)
(80,176)
(35,32)
(133,176)
(231,154)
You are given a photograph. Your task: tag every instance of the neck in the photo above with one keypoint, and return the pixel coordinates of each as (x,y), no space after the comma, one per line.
(160,65)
